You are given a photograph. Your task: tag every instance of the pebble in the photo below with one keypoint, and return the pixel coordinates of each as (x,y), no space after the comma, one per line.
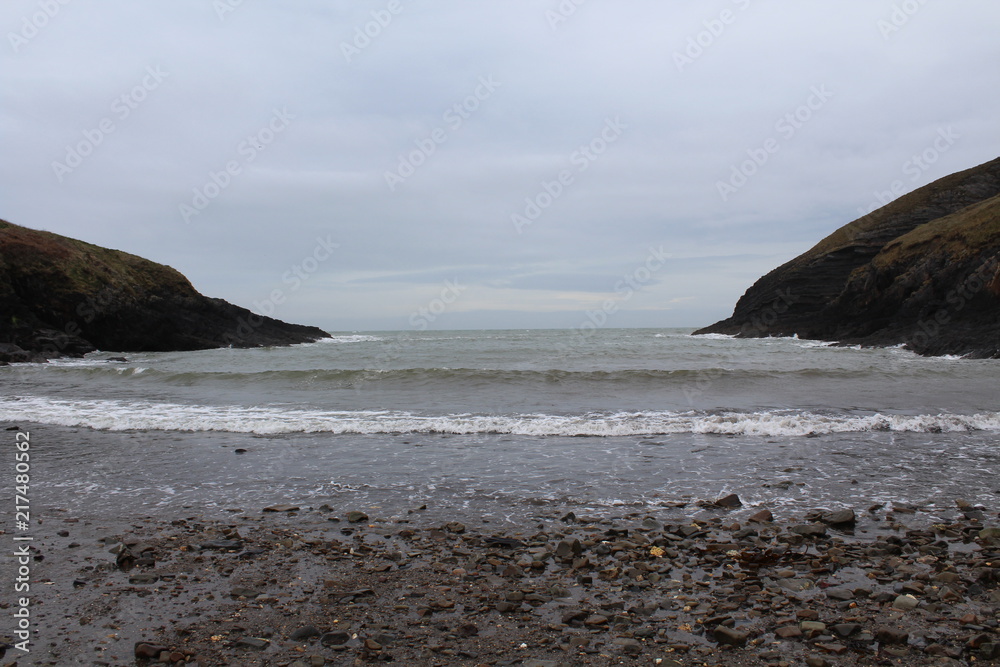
(282,508)
(305,632)
(730,636)
(335,638)
(891,635)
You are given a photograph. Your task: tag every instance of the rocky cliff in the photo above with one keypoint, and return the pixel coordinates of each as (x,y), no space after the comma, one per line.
(63,297)
(923,271)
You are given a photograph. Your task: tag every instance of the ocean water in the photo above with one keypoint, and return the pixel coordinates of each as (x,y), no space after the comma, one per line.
(504,424)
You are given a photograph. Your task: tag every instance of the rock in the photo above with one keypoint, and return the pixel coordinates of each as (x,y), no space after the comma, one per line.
(730,636)
(992,534)
(129,303)
(143,579)
(253,642)
(454,527)
(732,501)
(221,545)
(809,530)
(356,517)
(567,549)
(335,638)
(596,620)
(242,592)
(839,518)
(649,523)
(812,627)
(905,603)
(876,280)
(149,650)
(282,508)
(763,516)
(842,594)
(817,661)
(305,632)
(628,646)
(788,632)
(796,585)
(846,629)
(890,635)
(467,630)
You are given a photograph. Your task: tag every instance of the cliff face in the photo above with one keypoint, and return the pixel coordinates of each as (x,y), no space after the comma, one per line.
(923,271)
(63,297)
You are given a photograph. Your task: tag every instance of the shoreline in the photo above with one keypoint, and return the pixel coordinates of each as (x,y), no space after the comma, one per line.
(333,586)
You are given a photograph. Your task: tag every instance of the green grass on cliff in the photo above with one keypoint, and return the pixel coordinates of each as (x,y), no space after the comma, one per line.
(970,230)
(77,267)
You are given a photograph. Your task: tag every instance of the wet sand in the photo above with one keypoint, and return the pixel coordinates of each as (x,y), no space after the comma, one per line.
(338,586)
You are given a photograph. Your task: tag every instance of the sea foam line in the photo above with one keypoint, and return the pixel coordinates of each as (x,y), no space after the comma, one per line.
(127,415)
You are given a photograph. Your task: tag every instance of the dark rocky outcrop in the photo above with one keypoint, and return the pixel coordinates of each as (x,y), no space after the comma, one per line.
(63,297)
(923,271)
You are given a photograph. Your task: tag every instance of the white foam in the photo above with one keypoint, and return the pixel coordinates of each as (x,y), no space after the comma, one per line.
(349,338)
(714,336)
(129,415)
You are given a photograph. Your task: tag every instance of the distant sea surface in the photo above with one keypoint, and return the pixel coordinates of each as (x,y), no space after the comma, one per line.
(506,423)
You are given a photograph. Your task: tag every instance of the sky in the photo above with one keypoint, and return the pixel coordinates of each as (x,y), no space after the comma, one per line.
(394,165)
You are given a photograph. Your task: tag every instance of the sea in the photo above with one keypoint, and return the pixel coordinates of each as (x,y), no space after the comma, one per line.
(509,425)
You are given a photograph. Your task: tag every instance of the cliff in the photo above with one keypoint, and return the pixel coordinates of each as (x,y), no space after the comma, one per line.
(63,297)
(923,271)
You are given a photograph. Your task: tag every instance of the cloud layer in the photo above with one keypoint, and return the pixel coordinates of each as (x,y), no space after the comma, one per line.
(353,157)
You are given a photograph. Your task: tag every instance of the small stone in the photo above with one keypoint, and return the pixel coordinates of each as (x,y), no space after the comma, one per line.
(989,534)
(241,592)
(221,545)
(596,620)
(905,603)
(306,632)
(467,630)
(732,501)
(816,661)
(455,527)
(253,642)
(813,627)
(567,549)
(846,629)
(629,646)
(282,508)
(143,579)
(356,517)
(810,530)
(842,594)
(839,518)
(763,516)
(796,585)
(148,650)
(730,636)
(788,632)
(335,638)
(888,635)
(948,577)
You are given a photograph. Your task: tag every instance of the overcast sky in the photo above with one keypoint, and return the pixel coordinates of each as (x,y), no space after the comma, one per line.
(488,164)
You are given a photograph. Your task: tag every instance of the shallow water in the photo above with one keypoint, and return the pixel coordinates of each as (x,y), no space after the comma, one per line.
(503,424)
